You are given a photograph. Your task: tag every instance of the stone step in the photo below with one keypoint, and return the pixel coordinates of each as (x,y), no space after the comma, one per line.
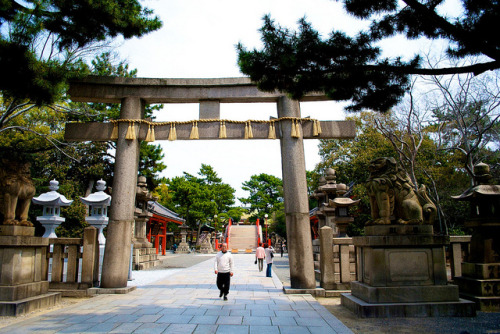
(146,265)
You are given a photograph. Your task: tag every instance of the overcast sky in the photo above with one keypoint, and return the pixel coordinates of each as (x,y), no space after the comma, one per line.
(198,40)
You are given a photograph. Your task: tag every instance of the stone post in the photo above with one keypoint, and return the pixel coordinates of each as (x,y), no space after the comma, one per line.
(300,252)
(116,260)
(326,264)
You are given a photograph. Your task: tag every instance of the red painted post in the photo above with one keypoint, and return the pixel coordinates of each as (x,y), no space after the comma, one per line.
(258,236)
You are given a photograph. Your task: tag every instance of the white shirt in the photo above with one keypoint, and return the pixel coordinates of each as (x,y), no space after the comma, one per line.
(224,262)
(268,251)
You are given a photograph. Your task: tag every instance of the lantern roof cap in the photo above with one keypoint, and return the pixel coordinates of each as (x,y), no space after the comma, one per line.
(99,197)
(52,198)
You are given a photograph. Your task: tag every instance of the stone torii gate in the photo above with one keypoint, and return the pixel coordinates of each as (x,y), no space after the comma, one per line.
(135,93)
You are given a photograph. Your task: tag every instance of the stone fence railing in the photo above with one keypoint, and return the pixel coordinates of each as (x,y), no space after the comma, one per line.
(75,263)
(344,257)
(458,251)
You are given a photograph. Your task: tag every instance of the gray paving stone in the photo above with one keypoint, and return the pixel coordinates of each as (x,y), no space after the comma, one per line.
(321,330)
(286,321)
(180,329)
(205,329)
(102,328)
(204,319)
(258,321)
(308,314)
(186,302)
(264,330)
(286,314)
(149,318)
(240,312)
(126,327)
(217,312)
(262,313)
(76,328)
(310,321)
(123,318)
(229,320)
(194,311)
(151,328)
(294,330)
(232,329)
(175,319)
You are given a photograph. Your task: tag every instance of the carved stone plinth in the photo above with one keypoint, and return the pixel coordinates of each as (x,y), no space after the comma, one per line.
(183,248)
(402,273)
(23,274)
(480,280)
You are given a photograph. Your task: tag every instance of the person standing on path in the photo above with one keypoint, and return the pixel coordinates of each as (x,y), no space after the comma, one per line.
(259,255)
(269,258)
(224,270)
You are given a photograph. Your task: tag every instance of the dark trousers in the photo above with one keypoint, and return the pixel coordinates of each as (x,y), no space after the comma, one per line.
(261,264)
(223,282)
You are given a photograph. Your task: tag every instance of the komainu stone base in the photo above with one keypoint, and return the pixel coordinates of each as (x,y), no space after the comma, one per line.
(402,273)
(23,272)
(27,305)
(459,308)
(480,282)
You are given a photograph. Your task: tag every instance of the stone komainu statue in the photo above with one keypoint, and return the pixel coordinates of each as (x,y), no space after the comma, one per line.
(16,191)
(392,196)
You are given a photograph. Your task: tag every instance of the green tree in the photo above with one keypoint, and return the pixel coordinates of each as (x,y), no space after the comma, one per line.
(266,191)
(42,40)
(352,68)
(198,199)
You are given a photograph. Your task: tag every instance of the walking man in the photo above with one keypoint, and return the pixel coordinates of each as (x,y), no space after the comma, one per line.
(224,270)
(259,255)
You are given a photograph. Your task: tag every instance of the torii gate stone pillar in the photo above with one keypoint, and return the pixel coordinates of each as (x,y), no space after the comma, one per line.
(135,93)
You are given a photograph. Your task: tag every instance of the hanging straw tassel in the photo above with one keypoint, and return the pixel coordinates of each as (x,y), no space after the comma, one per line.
(114,133)
(298,126)
(250,133)
(150,137)
(318,127)
(246,130)
(172,135)
(222,130)
(272,131)
(294,130)
(130,131)
(194,131)
(315,128)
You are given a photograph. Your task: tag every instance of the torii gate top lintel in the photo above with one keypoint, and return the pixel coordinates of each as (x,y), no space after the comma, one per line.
(225,90)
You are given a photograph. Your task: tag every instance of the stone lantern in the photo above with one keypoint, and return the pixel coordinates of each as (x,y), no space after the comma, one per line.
(481,270)
(332,206)
(52,202)
(98,204)
(183,246)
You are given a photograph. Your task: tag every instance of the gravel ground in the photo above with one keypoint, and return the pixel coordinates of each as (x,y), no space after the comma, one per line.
(482,323)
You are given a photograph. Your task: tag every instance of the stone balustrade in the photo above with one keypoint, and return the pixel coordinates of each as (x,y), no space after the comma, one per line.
(75,264)
(458,251)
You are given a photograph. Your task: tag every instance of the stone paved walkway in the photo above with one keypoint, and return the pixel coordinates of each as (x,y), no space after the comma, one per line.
(187,302)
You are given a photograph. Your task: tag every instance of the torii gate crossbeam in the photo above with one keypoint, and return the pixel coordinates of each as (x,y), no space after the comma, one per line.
(135,93)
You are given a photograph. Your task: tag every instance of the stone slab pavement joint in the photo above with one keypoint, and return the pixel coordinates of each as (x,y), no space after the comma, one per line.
(188,302)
